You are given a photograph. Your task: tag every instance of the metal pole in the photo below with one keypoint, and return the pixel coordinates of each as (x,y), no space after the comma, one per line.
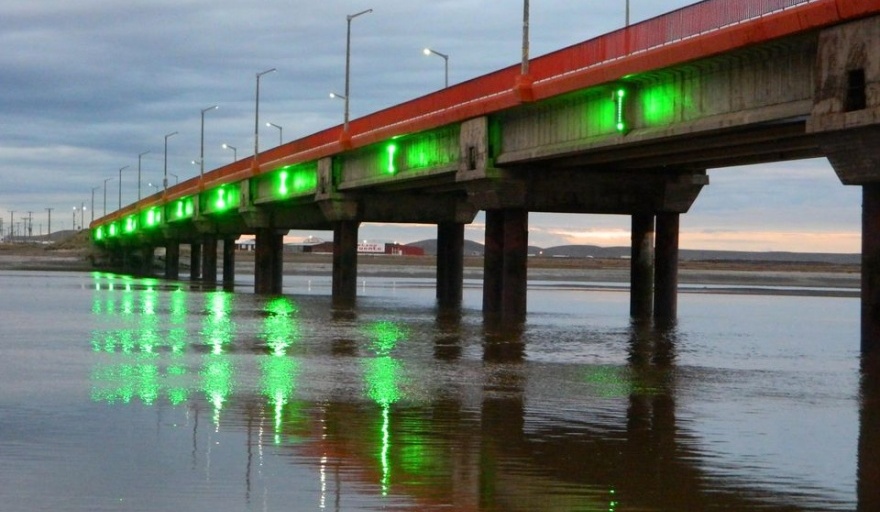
(120,185)
(202,146)
(139,178)
(348,61)
(50,215)
(93,202)
(257,114)
(82,207)
(165,178)
(105,194)
(525,39)
(627,13)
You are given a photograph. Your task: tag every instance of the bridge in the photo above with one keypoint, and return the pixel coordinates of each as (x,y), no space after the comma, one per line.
(626,123)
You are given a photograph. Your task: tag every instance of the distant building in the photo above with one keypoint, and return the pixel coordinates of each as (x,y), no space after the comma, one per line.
(370,248)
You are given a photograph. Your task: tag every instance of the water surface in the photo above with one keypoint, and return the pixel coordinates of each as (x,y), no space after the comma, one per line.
(137,394)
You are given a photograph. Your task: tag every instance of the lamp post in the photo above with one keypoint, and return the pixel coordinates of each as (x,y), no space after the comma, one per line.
(428,51)
(202,146)
(49,229)
(139,177)
(525,39)
(234,151)
(93,205)
(105,194)
(280,132)
(257,114)
(165,179)
(176,177)
(348,19)
(120,185)
(627,13)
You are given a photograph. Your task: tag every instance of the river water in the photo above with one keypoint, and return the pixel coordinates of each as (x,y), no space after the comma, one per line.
(130,394)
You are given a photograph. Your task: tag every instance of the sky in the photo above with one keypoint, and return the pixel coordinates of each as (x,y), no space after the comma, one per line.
(87,86)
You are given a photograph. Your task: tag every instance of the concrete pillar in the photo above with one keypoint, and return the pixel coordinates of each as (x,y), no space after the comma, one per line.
(268,261)
(345,240)
(147,252)
(493,258)
(516,252)
(450,263)
(228,263)
(172,260)
(209,259)
(868,469)
(195,262)
(666,268)
(642,266)
(871,270)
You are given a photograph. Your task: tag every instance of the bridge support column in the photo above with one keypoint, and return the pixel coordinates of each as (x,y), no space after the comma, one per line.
(450,263)
(871,270)
(268,261)
(642,267)
(345,239)
(147,253)
(195,262)
(666,268)
(505,263)
(228,263)
(172,260)
(209,259)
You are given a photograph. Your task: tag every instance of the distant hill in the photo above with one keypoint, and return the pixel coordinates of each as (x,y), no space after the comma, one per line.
(594,251)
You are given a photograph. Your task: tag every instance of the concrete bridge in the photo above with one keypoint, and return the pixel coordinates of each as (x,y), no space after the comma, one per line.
(626,123)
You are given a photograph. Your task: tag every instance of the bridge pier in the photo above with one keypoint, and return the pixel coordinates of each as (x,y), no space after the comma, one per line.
(195,261)
(209,259)
(870,328)
(345,238)
(147,255)
(172,260)
(450,263)
(642,266)
(228,263)
(268,261)
(666,268)
(505,263)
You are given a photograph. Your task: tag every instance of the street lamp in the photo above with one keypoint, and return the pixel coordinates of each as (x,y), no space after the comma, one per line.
(348,62)
(93,205)
(176,177)
(257,114)
(105,194)
(524,70)
(627,13)
(428,51)
(280,132)
(234,151)
(202,146)
(165,179)
(139,176)
(120,185)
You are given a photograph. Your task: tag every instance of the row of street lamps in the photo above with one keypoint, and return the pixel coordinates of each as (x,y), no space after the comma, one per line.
(201,161)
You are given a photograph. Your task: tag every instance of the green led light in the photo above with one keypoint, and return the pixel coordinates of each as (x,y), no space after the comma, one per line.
(99,233)
(179,209)
(220,203)
(130,224)
(188,207)
(113,229)
(619,98)
(392,150)
(282,183)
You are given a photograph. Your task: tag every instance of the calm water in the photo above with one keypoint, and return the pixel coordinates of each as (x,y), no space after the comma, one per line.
(135,394)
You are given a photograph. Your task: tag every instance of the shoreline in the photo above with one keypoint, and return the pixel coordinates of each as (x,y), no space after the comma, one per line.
(694,276)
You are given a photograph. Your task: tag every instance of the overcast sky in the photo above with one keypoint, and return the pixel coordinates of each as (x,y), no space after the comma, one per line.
(87,85)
